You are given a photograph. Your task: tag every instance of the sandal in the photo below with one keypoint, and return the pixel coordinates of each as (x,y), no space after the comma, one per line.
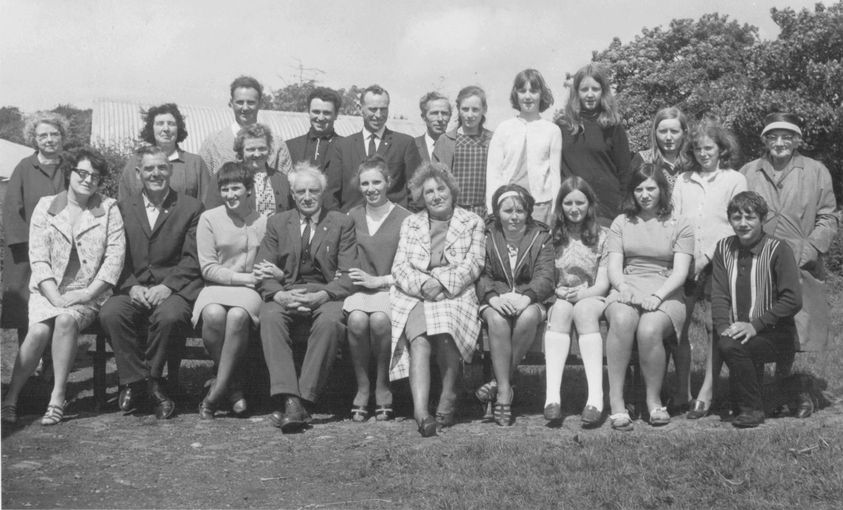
(488,392)
(207,409)
(427,427)
(659,416)
(621,421)
(699,409)
(359,414)
(503,414)
(9,413)
(54,414)
(384,413)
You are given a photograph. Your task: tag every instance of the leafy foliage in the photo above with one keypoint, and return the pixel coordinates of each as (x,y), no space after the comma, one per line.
(12,122)
(718,66)
(293,98)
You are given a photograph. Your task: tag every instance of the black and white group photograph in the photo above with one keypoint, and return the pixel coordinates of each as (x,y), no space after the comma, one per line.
(455,254)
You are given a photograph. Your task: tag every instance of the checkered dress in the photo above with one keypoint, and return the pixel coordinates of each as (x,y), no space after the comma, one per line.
(264,194)
(455,315)
(469,169)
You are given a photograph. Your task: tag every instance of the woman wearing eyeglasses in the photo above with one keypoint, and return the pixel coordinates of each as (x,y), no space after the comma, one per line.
(76,252)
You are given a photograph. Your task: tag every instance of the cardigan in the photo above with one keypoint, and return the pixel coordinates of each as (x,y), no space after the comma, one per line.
(769,269)
(518,146)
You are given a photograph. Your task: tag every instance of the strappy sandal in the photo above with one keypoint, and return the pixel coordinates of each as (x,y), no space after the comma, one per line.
(9,414)
(621,421)
(359,414)
(54,414)
(488,392)
(427,427)
(503,414)
(384,413)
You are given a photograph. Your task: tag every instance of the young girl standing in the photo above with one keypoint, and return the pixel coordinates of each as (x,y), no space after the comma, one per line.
(526,150)
(595,146)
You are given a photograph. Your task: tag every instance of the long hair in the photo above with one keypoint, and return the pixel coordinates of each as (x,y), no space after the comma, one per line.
(607,110)
(648,171)
(726,143)
(671,113)
(590,232)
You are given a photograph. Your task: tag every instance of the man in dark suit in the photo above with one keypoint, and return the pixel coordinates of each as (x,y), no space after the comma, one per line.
(149,315)
(323,105)
(436,113)
(398,149)
(303,266)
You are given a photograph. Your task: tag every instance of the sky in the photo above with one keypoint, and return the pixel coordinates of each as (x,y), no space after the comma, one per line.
(188,51)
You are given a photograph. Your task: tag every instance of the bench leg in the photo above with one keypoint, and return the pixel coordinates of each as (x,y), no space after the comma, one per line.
(99,372)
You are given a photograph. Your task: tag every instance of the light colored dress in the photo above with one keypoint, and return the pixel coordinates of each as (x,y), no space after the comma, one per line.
(74,255)
(648,248)
(227,245)
(375,253)
(455,315)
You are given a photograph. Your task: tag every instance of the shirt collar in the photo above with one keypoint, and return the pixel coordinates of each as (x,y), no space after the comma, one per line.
(326,135)
(429,141)
(313,217)
(378,133)
(175,156)
(148,203)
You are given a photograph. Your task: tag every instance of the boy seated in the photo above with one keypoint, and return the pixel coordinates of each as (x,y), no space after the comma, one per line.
(755,294)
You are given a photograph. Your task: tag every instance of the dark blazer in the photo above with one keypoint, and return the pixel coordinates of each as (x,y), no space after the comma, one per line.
(166,253)
(421,145)
(298,145)
(333,248)
(399,151)
(280,185)
(534,266)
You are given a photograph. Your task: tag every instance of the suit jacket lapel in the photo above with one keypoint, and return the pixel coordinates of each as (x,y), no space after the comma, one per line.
(140,211)
(320,227)
(383,148)
(359,148)
(166,209)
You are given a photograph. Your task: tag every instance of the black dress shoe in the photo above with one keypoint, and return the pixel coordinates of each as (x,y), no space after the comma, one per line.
(293,419)
(165,408)
(749,419)
(130,396)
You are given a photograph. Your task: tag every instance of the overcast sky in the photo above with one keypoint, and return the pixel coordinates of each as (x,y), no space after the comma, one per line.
(188,51)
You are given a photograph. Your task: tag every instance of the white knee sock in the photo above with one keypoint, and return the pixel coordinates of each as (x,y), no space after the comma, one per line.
(556,346)
(591,350)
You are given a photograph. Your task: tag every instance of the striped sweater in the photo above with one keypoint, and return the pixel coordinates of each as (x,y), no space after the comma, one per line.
(764,274)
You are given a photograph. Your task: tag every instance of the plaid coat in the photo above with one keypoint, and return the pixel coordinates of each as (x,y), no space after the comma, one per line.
(456,314)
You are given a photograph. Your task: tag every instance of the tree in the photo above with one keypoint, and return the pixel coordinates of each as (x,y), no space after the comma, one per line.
(293,98)
(718,66)
(11,124)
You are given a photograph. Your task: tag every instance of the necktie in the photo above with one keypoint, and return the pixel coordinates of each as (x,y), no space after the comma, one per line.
(372,148)
(305,239)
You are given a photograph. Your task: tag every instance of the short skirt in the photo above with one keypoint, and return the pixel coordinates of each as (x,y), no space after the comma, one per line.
(228,296)
(367,302)
(644,285)
(40,310)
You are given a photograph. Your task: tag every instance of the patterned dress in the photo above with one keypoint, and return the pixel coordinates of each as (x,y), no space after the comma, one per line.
(469,169)
(74,255)
(455,315)
(577,264)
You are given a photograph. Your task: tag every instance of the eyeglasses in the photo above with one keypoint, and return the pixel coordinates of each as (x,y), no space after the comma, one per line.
(784,138)
(44,136)
(84,174)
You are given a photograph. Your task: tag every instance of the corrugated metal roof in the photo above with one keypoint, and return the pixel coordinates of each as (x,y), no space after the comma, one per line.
(118,124)
(10,155)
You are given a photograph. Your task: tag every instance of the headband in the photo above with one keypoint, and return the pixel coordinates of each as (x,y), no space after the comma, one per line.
(781,125)
(508,194)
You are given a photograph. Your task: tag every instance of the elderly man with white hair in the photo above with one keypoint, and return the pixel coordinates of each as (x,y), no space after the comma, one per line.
(304,262)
